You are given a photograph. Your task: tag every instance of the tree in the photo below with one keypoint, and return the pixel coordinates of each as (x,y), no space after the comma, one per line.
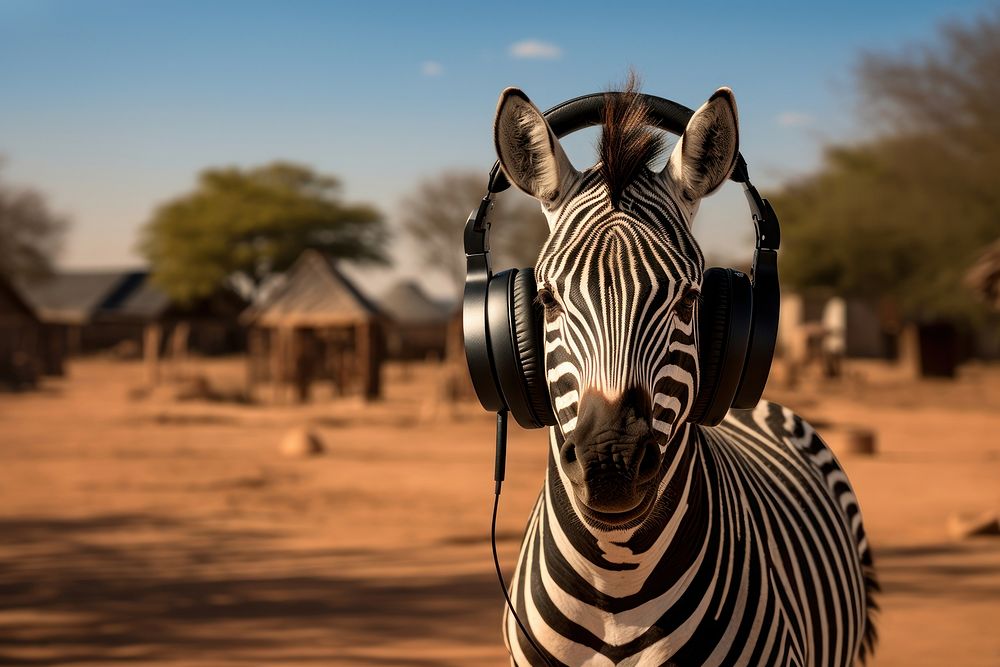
(30,233)
(904,213)
(434,215)
(244,225)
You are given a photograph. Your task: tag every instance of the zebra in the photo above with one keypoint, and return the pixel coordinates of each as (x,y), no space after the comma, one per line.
(655,541)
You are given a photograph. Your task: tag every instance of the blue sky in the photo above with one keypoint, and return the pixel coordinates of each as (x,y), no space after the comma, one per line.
(111,107)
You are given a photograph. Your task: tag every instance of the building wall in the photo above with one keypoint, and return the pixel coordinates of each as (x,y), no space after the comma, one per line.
(104,336)
(20,363)
(348,356)
(416,341)
(853,329)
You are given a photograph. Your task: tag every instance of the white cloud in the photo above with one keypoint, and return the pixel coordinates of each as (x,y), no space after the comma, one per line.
(794,119)
(431,68)
(535,48)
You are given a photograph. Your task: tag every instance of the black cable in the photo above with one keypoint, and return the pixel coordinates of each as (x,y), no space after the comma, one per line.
(498,478)
(503,585)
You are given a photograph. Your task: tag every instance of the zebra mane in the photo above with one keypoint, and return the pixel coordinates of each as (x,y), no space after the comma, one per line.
(627,142)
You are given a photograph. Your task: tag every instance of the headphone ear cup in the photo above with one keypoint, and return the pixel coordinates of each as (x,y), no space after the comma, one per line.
(529,338)
(724,321)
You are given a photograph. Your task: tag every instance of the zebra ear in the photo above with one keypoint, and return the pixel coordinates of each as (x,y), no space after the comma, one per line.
(529,152)
(705,155)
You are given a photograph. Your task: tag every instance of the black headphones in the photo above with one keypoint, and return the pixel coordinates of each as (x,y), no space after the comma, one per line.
(738,316)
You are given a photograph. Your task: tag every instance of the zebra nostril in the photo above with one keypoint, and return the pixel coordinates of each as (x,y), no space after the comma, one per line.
(649,462)
(569,461)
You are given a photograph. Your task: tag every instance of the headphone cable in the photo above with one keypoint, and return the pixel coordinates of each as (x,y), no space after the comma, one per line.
(501,456)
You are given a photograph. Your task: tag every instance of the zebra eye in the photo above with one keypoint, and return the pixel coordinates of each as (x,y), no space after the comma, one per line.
(548,302)
(685,307)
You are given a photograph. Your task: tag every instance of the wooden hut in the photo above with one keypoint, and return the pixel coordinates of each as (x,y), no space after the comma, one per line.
(206,326)
(316,325)
(69,303)
(21,352)
(417,325)
(854,329)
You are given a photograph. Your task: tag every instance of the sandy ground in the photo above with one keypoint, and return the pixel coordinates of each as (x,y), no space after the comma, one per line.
(142,530)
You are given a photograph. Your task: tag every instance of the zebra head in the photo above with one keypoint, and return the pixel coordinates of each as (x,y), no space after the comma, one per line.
(619,280)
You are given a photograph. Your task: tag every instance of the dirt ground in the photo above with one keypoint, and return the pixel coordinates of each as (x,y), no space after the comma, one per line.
(137,529)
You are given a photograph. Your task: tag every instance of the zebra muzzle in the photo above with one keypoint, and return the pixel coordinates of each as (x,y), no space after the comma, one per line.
(612,457)
(613,478)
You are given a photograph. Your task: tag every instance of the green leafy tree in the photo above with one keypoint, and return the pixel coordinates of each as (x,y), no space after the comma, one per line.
(904,213)
(245,224)
(30,233)
(434,216)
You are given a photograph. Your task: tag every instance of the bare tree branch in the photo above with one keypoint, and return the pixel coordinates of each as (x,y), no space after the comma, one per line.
(434,215)
(31,234)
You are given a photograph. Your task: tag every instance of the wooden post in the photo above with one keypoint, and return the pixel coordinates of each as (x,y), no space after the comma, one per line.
(343,369)
(277,335)
(330,368)
(908,358)
(179,349)
(74,339)
(54,344)
(287,352)
(304,364)
(254,355)
(369,358)
(151,352)
(361,355)
(377,351)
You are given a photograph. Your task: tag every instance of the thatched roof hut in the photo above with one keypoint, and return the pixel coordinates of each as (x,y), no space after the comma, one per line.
(313,292)
(316,325)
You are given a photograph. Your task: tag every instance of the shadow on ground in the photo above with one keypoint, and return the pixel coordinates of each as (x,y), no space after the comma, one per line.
(127,588)
(95,590)
(956,570)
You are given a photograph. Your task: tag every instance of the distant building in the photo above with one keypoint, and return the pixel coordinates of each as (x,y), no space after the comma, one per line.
(71,304)
(20,340)
(829,329)
(417,325)
(209,325)
(316,325)
(856,329)
(92,311)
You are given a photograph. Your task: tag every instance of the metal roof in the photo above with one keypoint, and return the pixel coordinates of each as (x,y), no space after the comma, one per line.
(75,297)
(144,301)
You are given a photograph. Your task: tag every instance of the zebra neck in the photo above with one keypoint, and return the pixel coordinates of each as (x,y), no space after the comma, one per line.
(622,562)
